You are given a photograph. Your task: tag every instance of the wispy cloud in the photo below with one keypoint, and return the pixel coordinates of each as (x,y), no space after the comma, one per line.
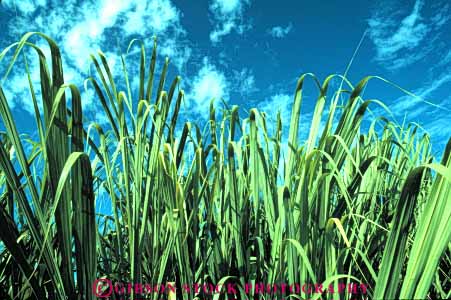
(439,129)
(228,16)
(446,61)
(403,40)
(209,83)
(415,106)
(25,7)
(437,126)
(279,31)
(244,82)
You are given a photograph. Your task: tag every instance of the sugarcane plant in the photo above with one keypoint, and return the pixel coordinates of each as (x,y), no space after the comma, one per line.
(235,200)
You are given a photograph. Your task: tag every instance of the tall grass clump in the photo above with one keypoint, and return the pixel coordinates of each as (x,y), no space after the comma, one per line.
(231,202)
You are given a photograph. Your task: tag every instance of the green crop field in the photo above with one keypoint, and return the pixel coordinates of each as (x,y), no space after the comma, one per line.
(227,202)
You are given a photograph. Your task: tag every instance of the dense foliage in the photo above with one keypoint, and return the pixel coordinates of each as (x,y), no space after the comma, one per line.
(231,202)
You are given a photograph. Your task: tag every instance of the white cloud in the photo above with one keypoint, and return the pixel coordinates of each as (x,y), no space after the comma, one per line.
(158,15)
(278,103)
(16,86)
(228,15)
(227,6)
(283,103)
(208,84)
(10,97)
(401,42)
(82,28)
(146,19)
(279,31)
(271,107)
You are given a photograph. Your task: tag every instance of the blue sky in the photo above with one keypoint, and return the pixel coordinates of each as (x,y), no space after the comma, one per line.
(251,53)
